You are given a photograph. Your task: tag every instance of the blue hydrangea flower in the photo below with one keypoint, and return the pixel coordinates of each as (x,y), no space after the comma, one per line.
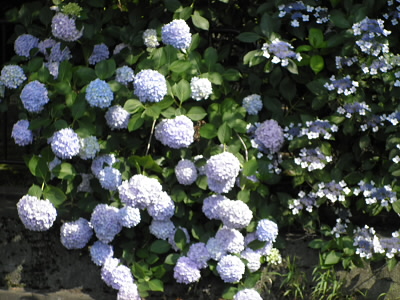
(99,94)
(63,27)
(24,44)
(267,230)
(99,252)
(124,75)
(46,44)
(253,259)
(177,34)
(211,206)
(53,68)
(116,275)
(162,229)
(344,85)
(186,271)
(231,239)
(150,38)
(100,52)
(128,292)
(150,86)
(110,178)
(117,117)
(312,159)
(235,214)
(65,143)
(215,248)
(176,133)
(76,234)
(58,55)
(199,254)
(105,222)
(247,294)
(252,104)
(129,216)
(34,96)
(12,76)
(221,171)
(334,191)
(269,136)
(201,88)
(356,108)
(363,240)
(162,207)
(281,52)
(307,201)
(89,147)
(186,172)
(102,161)
(21,133)
(230,268)
(36,214)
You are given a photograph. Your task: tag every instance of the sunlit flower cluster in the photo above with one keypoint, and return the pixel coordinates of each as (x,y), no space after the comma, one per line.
(344,85)
(280,51)
(334,191)
(312,159)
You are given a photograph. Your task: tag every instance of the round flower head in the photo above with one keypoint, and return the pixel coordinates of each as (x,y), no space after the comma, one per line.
(21,133)
(128,292)
(34,96)
(176,133)
(186,271)
(269,136)
(162,207)
(201,88)
(89,147)
(65,143)
(186,172)
(211,206)
(124,75)
(150,38)
(99,94)
(105,222)
(199,254)
(231,239)
(100,251)
(24,44)
(247,294)
(110,178)
(150,86)
(12,76)
(177,34)
(64,28)
(221,171)
(230,268)
(76,234)
(235,214)
(129,216)
(253,259)
(162,229)
(100,52)
(266,230)
(215,248)
(36,214)
(117,117)
(116,275)
(252,104)
(102,161)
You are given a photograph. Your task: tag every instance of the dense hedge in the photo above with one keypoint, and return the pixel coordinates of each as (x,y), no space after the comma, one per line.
(173,138)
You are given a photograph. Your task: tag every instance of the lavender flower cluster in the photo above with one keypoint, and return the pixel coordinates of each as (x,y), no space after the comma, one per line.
(21,133)
(175,133)
(99,94)
(176,34)
(300,12)
(280,51)
(268,136)
(36,214)
(150,86)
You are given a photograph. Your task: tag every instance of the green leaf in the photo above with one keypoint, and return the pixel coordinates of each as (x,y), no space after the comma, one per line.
(208,131)
(248,37)
(250,167)
(38,167)
(172,258)
(153,111)
(317,63)
(224,133)
(304,48)
(267,24)
(316,244)
(54,194)
(132,106)
(214,77)
(83,75)
(287,88)
(338,18)
(180,66)
(231,75)
(135,122)
(196,113)
(160,247)
(396,206)
(35,191)
(199,21)
(332,258)
(105,69)
(182,90)
(156,285)
(64,171)
(180,239)
(392,264)
(172,5)
(316,38)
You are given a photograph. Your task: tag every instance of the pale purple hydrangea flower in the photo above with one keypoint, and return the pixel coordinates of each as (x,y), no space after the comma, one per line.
(89,147)
(230,268)
(105,222)
(312,159)
(100,53)
(65,143)
(34,96)
(252,104)
(215,248)
(129,216)
(116,275)
(235,214)
(117,117)
(265,250)
(128,292)
(281,52)
(63,27)
(253,259)
(99,252)
(201,88)
(162,207)
(36,214)
(344,85)
(76,234)
(231,239)
(199,254)
(150,86)
(211,206)
(186,271)
(177,34)
(124,75)
(46,44)
(21,133)
(176,133)
(162,229)
(269,136)
(110,178)
(24,44)
(186,172)
(99,94)
(150,38)
(364,241)
(102,161)
(307,201)
(58,55)
(12,76)
(267,230)
(247,294)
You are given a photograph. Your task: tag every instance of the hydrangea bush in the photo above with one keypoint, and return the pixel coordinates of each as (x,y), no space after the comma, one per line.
(176,141)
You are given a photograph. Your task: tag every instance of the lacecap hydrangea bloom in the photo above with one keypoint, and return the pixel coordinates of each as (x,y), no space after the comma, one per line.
(36,214)
(116,275)
(247,294)
(65,143)
(76,234)
(176,133)
(201,88)
(177,34)
(186,271)
(100,52)
(21,133)
(117,117)
(269,136)
(12,76)
(89,147)
(186,172)
(124,75)
(150,86)
(34,96)
(344,85)
(24,44)
(105,222)
(230,268)
(150,38)
(99,94)
(129,216)
(110,178)
(267,230)
(252,104)
(281,52)
(99,252)
(63,27)
(221,171)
